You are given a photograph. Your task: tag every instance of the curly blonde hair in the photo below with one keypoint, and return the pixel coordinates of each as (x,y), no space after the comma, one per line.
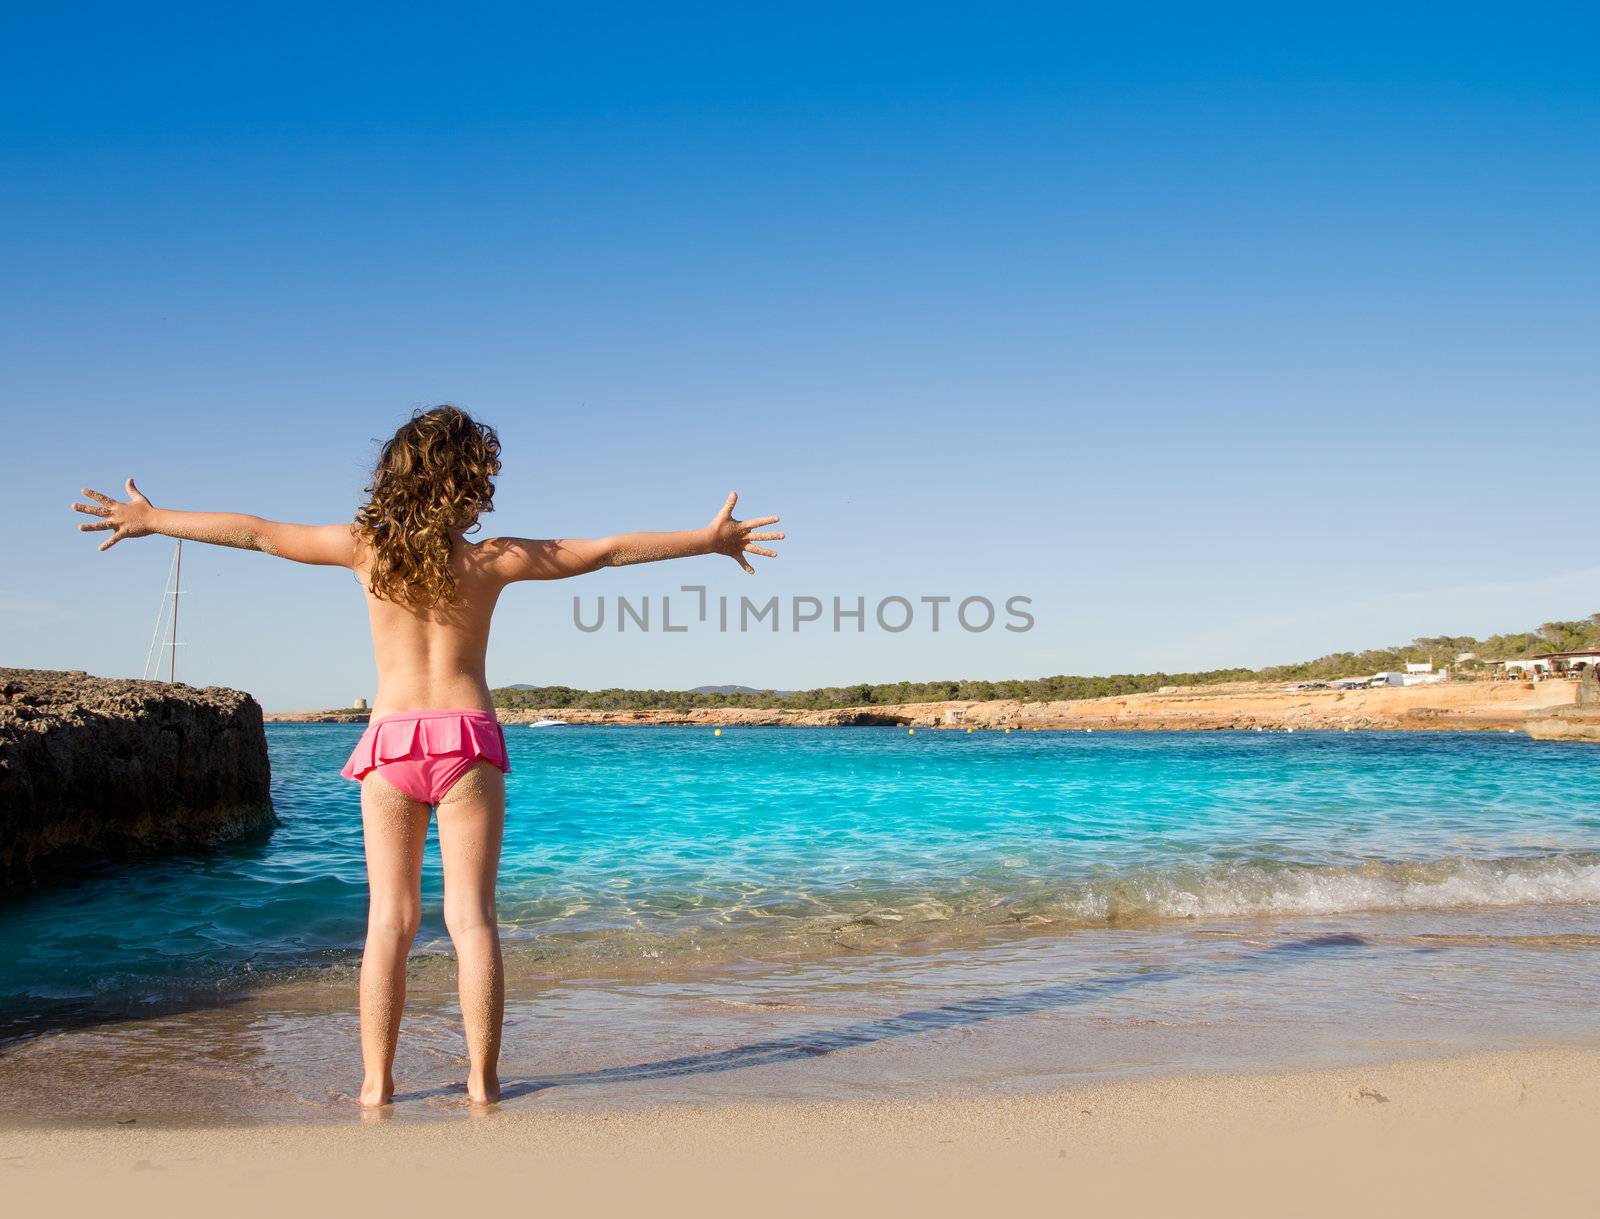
(434,477)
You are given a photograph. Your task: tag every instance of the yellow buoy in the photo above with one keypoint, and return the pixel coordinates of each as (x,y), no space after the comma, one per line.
(717,732)
(911,732)
(969,732)
(1008,732)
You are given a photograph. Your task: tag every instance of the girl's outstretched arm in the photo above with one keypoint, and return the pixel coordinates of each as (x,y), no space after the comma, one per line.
(326,545)
(532,559)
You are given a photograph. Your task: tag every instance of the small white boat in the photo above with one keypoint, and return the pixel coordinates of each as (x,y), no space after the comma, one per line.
(548,724)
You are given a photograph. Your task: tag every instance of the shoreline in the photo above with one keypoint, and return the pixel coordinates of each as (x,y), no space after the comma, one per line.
(900,1025)
(1445,707)
(1492,1132)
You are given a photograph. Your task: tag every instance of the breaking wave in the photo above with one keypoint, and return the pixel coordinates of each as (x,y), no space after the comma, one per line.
(662,934)
(1263,889)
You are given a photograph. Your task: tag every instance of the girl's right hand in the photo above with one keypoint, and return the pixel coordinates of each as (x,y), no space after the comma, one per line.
(132,519)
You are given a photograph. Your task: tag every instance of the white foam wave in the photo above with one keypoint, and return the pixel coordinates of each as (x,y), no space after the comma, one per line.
(1246,890)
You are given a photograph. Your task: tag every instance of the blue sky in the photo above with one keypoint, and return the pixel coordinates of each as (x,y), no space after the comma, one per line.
(1227,334)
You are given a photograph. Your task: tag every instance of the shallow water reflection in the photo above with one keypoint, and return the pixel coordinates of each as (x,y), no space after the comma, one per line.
(1021,1015)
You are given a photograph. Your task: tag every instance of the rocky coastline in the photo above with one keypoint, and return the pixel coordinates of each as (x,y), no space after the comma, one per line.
(93,768)
(1444,707)
(1454,706)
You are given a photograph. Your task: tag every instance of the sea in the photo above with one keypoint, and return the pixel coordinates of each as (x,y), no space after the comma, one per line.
(703,917)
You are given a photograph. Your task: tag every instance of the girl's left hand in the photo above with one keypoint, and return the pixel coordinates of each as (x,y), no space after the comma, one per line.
(128,520)
(733,538)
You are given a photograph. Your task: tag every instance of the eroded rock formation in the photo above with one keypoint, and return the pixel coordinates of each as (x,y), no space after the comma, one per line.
(1579,722)
(94,768)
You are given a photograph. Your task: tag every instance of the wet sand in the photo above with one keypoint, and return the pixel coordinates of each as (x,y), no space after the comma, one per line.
(1382,1064)
(1003,1018)
(1485,1134)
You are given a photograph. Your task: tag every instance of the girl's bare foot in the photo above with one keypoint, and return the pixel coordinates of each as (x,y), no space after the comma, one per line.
(376,1092)
(483,1089)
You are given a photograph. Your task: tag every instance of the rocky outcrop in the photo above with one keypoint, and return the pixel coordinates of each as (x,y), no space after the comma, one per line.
(1579,722)
(92,768)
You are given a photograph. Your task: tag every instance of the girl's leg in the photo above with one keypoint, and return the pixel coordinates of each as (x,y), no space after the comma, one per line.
(472,819)
(394,827)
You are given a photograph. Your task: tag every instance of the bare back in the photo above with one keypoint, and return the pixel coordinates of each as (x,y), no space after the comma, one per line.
(435,658)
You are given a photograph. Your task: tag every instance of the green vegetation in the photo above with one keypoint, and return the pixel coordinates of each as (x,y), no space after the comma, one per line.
(1442,649)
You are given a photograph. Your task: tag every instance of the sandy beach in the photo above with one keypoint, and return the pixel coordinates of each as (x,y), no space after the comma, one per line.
(1263,973)
(1486,1134)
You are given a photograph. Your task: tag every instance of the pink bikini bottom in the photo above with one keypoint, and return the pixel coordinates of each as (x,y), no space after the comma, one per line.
(423,753)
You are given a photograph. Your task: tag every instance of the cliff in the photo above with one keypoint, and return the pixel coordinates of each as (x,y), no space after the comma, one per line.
(92,768)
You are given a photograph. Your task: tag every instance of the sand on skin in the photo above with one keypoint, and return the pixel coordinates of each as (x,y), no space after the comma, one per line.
(1487,1134)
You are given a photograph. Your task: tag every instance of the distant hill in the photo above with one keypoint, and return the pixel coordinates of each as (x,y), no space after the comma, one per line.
(1441,649)
(523,685)
(727,690)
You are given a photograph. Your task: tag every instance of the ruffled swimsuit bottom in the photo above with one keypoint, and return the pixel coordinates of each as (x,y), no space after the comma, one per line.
(423,753)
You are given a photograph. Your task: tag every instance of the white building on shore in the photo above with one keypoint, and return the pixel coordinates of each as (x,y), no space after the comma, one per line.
(1571,663)
(1550,664)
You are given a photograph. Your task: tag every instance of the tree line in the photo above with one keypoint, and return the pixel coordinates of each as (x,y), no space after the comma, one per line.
(1441,649)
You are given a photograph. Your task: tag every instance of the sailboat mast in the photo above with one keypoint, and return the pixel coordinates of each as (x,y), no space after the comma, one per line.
(177,587)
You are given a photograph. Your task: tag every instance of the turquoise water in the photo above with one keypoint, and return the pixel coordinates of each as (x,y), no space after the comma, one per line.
(632,849)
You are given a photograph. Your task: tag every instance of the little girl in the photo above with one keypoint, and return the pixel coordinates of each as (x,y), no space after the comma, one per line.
(433,739)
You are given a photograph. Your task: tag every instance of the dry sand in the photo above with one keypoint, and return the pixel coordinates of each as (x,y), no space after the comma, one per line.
(1509,1133)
